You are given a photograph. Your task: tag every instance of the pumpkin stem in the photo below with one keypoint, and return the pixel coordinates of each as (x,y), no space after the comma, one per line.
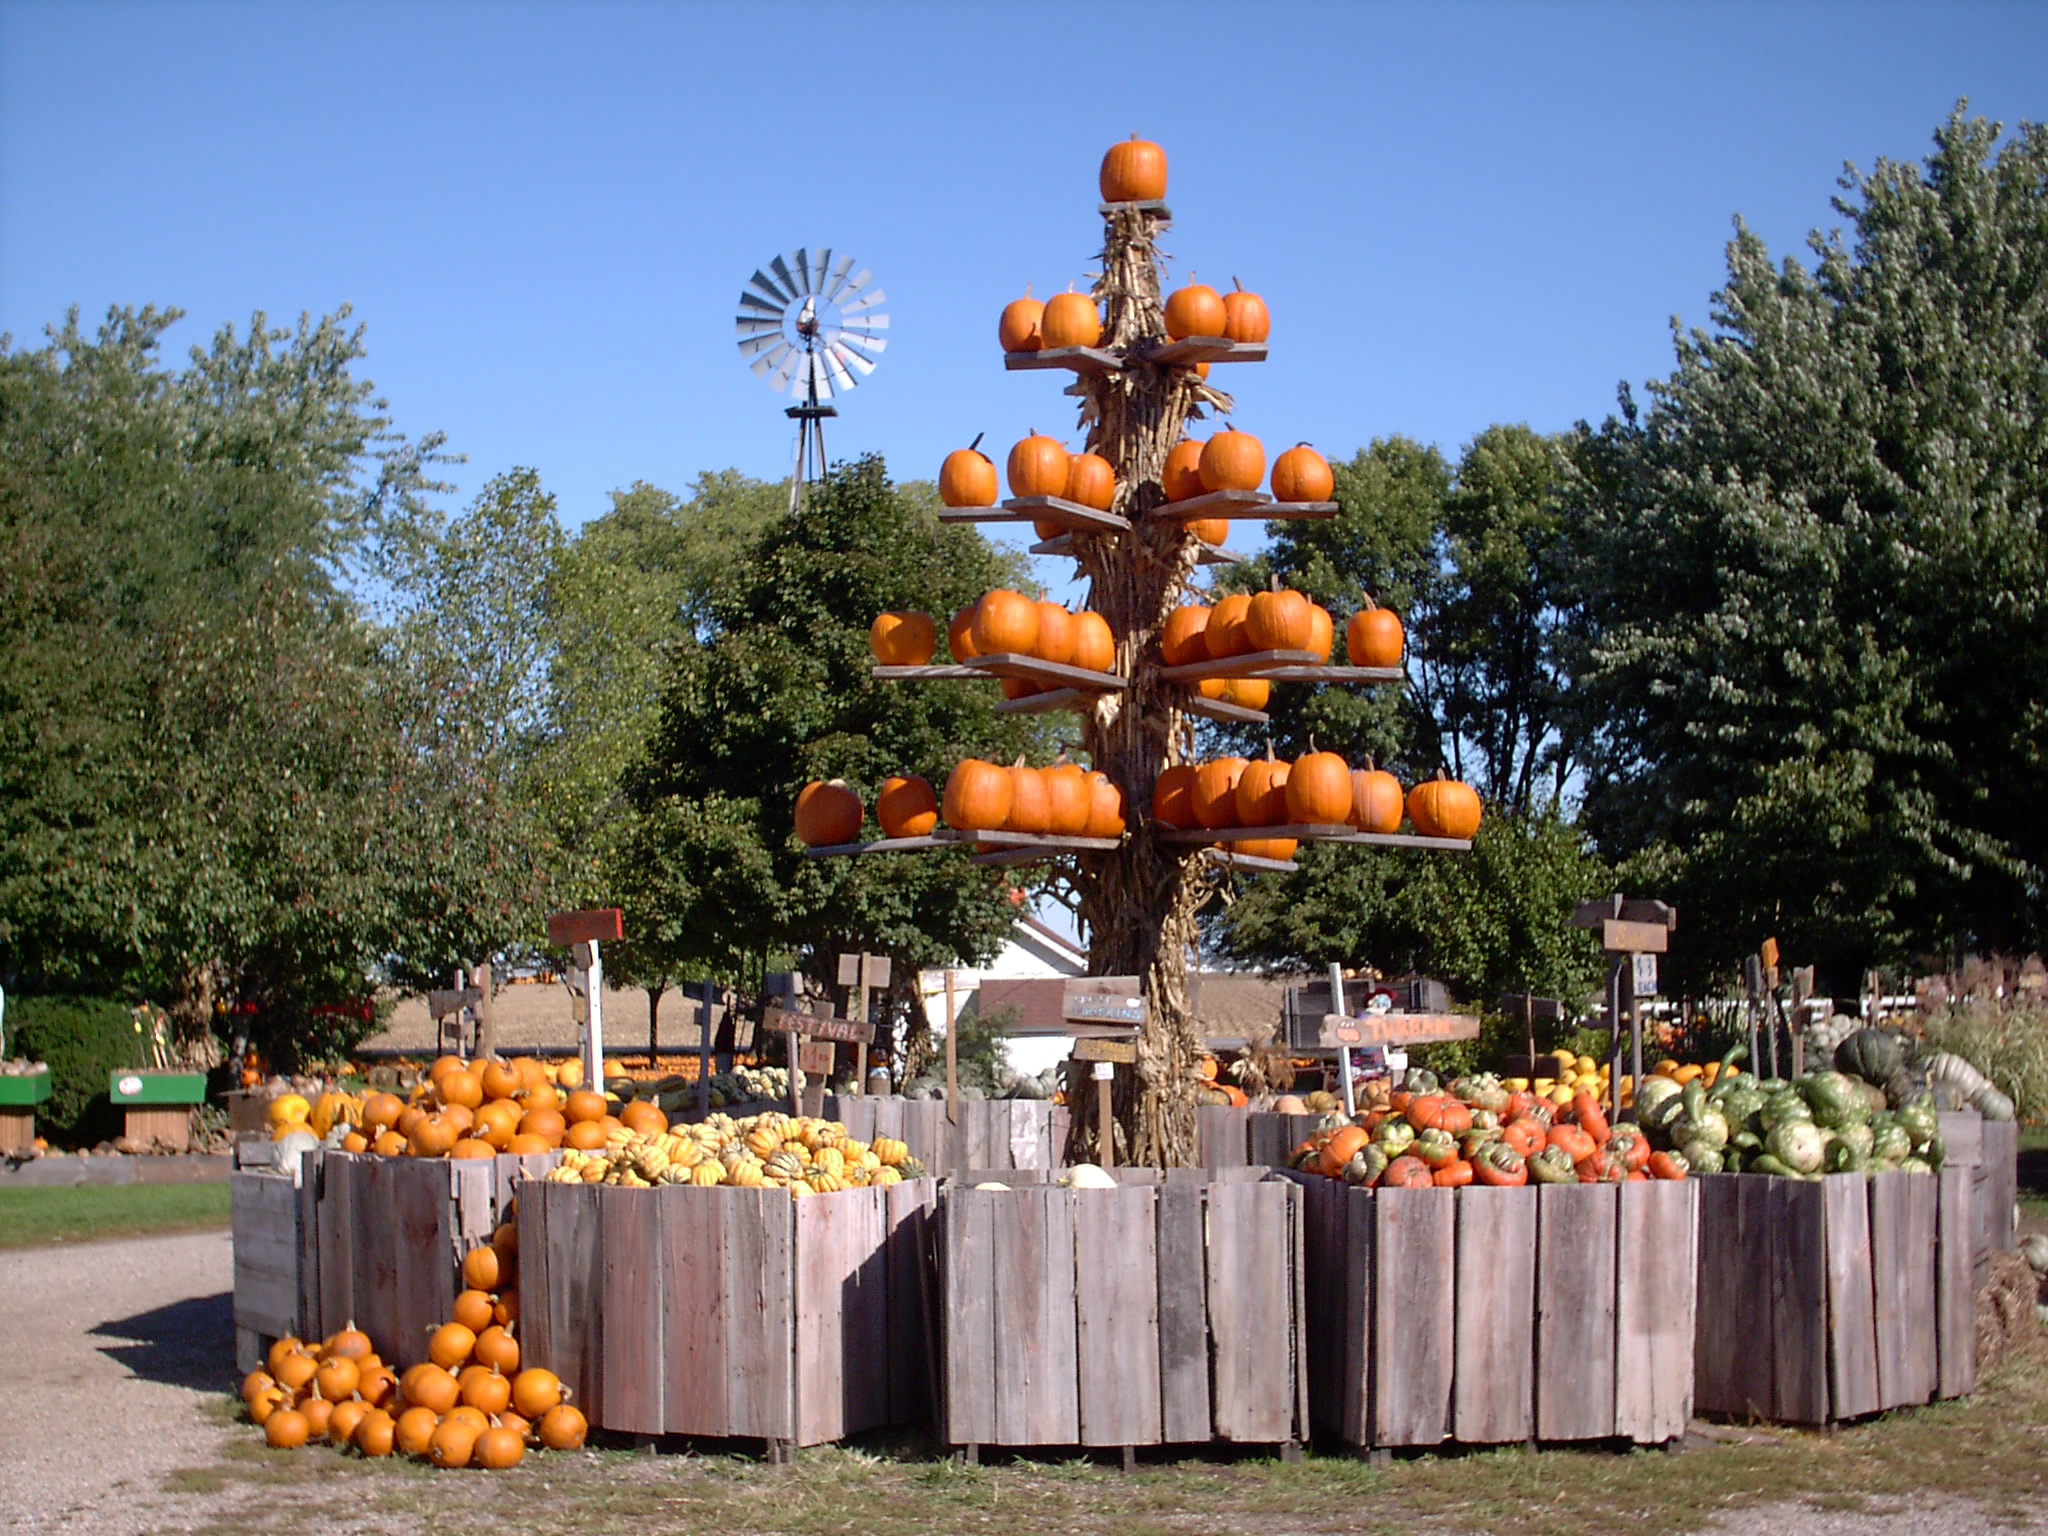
(977,441)
(1269,751)
(1273,582)
(1235,283)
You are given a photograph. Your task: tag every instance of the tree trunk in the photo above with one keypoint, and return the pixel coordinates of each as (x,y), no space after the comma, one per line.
(1139,901)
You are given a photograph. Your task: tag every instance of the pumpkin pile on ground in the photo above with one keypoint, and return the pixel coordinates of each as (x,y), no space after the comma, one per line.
(1479,1131)
(801,1154)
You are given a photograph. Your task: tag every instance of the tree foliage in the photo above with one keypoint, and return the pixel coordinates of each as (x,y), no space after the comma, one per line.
(1819,653)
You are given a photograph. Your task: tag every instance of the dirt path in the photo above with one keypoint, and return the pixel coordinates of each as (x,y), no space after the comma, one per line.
(107,1351)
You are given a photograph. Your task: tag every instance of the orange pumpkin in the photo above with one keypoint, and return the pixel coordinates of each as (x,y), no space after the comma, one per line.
(977,796)
(1232,461)
(1019,328)
(960,634)
(1067,799)
(1250,692)
(967,478)
(906,807)
(1261,792)
(1376,799)
(1373,638)
(1215,795)
(1407,1172)
(1005,622)
(1091,481)
(828,811)
(1302,474)
(1094,643)
(1173,798)
(1196,310)
(1225,633)
(1133,172)
(1443,807)
(1244,315)
(1279,620)
(1057,635)
(1030,806)
(903,639)
(1212,531)
(1439,1112)
(1182,641)
(1105,806)
(1453,1175)
(1319,789)
(1071,320)
(1038,467)
(1181,479)
(1280,848)
(1344,1143)
(562,1427)
(1322,632)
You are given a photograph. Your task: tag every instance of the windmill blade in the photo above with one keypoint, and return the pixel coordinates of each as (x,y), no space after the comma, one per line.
(838,281)
(775,355)
(866,301)
(863,323)
(767,309)
(863,347)
(791,362)
(847,357)
(751,346)
(841,379)
(782,271)
(801,259)
(766,284)
(754,325)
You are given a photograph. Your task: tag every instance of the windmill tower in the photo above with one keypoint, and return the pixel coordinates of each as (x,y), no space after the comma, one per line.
(809,324)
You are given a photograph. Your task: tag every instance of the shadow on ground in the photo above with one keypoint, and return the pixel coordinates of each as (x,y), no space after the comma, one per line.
(180,1345)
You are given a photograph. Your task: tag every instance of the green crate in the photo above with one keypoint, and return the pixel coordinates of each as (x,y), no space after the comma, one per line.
(134,1087)
(21,1092)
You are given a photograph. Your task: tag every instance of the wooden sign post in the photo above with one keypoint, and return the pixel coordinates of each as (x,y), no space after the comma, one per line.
(1627,928)
(1112,1010)
(448,1005)
(952,1054)
(861,974)
(1343,1051)
(582,932)
(811,1039)
(704,1051)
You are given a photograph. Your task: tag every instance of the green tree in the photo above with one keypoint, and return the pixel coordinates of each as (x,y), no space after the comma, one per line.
(191,722)
(778,693)
(1820,649)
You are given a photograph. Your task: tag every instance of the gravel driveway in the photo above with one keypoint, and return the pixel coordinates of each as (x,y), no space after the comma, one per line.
(106,1352)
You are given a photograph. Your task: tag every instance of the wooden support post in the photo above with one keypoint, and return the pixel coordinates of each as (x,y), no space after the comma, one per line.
(704,1051)
(1343,1051)
(1105,1114)
(952,1054)
(486,1034)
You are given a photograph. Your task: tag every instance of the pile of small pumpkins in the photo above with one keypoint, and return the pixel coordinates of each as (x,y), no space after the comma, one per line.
(999,623)
(290,1112)
(771,1150)
(469,1403)
(1479,1131)
(1246,623)
(1064,800)
(1317,788)
(484,1107)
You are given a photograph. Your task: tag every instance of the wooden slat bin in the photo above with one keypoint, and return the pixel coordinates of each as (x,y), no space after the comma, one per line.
(265,1216)
(730,1312)
(1823,1300)
(1254,1138)
(1486,1316)
(1153,1313)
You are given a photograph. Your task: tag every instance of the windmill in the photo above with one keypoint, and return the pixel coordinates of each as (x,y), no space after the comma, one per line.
(809,324)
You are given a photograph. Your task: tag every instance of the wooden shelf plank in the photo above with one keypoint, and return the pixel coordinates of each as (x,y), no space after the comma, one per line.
(1407,840)
(1014,856)
(1205,553)
(1006,664)
(879,845)
(1028,509)
(1079,359)
(1047,703)
(1156,206)
(1301,832)
(1233,504)
(1027,839)
(1190,350)
(1250,664)
(1334,674)
(1231,860)
(1223,709)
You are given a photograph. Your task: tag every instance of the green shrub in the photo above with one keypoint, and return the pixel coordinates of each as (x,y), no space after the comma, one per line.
(2005,1040)
(83,1039)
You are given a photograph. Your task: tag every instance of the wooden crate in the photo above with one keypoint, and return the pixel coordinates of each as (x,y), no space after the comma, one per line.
(1486,1316)
(1162,1311)
(1824,1300)
(1249,1138)
(376,1241)
(730,1312)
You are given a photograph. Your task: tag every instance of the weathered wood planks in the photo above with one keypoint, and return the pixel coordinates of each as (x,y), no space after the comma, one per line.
(265,1218)
(1162,1310)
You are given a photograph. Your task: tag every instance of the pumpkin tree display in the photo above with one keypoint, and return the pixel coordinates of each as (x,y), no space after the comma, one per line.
(1152,505)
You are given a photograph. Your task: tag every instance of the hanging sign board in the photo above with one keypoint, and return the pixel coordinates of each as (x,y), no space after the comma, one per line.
(817,1026)
(1645,979)
(443,1001)
(1123,1051)
(1102,1000)
(878,971)
(814,1058)
(1622,937)
(1398,1028)
(595,923)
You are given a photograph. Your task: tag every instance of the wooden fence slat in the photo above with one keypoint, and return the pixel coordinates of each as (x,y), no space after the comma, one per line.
(1493,1379)
(426,1268)
(631,1352)
(822,1266)
(376,1280)
(1323,1338)
(1798,1293)
(889,1119)
(1962,1138)
(1852,1323)
(306,1230)
(1903,1238)
(474,1188)
(1575,1315)
(1251,1311)
(265,1215)
(866,1315)
(536,1277)
(760,1310)
(2001,1182)
(339,1175)
(575,1296)
(968,1319)
(1183,1315)
(1116,1311)
(1413,1301)
(1954,1290)
(1037,1401)
(1357,1377)
(907,1214)
(1654,1310)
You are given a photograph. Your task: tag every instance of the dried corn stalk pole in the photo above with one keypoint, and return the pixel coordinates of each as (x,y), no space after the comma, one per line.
(1139,901)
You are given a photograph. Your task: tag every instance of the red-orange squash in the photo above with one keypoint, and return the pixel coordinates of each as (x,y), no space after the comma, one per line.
(1181,479)
(1019,328)
(1057,635)
(967,478)
(1038,467)
(1005,622)
(1091,481)
(1319,790)
(906,807)
(1225,633)
(1232,461)
(1215,796)
(828,811)
(1070,320)
(1173,798)
(903,639)
(1373,638)
(1183,640)
(1133,172)
(1376,799)
(1244,315)
(1302,474)
(1094,642)
(1196,310)
(1279,620)
(1443,807)
(1261,792)
(977,796)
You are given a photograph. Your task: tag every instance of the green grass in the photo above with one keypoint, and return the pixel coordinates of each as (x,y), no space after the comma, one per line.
(81,1212)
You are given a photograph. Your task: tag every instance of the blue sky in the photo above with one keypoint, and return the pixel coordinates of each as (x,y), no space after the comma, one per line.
(1457,213)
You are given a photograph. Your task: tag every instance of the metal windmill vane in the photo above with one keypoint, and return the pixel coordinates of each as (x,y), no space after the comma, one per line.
(810,323)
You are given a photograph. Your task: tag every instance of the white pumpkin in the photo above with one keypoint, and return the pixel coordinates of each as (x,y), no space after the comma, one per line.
(1086,1176)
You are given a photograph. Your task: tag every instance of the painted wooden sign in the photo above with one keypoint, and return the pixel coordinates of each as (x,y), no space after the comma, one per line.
(1121,1051)
(817,1026)
(1398,1028)
(591,924)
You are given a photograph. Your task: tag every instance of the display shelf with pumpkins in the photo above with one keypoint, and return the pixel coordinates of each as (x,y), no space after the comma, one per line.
(1139,508)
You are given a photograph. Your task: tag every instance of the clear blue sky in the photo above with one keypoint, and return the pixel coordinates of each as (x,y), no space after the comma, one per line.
(1457,213)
